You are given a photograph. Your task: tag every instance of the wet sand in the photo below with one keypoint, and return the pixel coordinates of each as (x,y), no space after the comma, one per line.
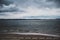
(27,36)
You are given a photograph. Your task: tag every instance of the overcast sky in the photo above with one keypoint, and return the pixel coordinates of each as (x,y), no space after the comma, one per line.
(29,9)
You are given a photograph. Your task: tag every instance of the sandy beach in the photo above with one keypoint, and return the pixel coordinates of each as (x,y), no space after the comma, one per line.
(27,36)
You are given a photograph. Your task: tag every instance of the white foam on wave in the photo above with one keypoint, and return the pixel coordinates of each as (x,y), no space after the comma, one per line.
(33,34)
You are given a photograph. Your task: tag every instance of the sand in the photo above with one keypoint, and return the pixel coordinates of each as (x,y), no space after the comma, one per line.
(28,36)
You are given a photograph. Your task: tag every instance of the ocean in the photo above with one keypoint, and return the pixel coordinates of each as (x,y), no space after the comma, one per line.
(46,26)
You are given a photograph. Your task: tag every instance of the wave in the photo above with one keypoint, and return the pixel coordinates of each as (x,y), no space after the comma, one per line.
(32,34)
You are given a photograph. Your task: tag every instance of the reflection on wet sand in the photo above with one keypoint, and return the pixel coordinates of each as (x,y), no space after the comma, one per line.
(27,37)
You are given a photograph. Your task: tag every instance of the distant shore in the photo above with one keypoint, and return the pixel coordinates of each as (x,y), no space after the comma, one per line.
(30,19)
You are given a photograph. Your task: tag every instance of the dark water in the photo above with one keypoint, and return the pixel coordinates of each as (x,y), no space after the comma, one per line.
(30,26)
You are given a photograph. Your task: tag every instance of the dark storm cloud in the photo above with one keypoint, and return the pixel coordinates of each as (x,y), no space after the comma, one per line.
(11,10)
(38,3)
(32,8)
(57,2)
(5,2)
(5,6)
(27,3)
(10,5)
(8,10)
(48,3)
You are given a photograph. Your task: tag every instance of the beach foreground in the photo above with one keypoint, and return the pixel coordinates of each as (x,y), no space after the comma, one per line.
(28,36)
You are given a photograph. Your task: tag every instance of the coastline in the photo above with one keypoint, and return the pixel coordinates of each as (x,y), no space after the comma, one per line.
(41,34)
(27,36)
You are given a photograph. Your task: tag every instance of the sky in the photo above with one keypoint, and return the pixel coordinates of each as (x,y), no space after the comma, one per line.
(29,9)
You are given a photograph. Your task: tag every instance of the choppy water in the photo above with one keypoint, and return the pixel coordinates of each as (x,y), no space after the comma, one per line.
(30,26)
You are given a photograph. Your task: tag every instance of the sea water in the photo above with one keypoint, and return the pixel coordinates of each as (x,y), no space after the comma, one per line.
(47,26)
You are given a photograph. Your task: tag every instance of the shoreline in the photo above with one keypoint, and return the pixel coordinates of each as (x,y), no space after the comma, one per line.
(39,34)
(26,36)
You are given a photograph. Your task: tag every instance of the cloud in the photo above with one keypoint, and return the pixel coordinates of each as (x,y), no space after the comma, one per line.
(38,3)
(26,3)
(57,2)
(9,8)
(8,2)
(42,13)
(30,9)
(34,13)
